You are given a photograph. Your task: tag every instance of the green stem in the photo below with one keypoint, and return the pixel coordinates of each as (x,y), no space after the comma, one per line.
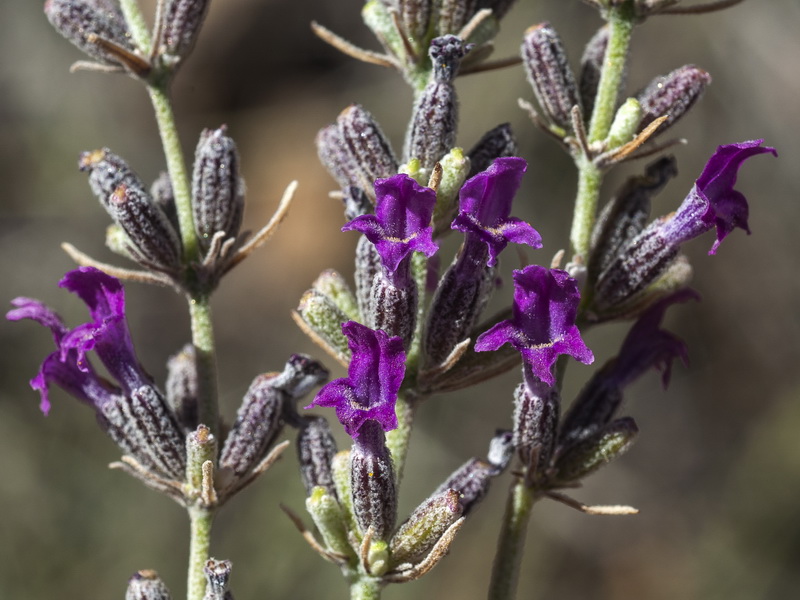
(200,540)
(365,588)
(510,545)
(176,165)
(205,360)
(136,24)
(590,178)
(620,22)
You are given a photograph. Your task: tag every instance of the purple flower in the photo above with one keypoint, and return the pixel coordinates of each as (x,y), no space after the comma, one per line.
(374,377)
(713,202)
(543,326)
(485,206)
(107,334)
(402,220)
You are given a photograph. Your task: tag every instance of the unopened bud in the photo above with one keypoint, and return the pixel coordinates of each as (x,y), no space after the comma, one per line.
(181,386)
(143,426)
(415,16)
(218,574)
(368,265)
(164,197)
(625,216)
(419,533)
(394,309)
(80,20)
(155,242)
(624,126)
(372,482)
(472,479)
(315,451)
(181,21)
(217,188)
(258,423)
(367,144)
(550,75)
(672,95)
(146,585)
(329,519)
(336,157)
(495,143)
(323,319)
(585,457)
(455,168)
(107,171)
(432,130)
(335,287)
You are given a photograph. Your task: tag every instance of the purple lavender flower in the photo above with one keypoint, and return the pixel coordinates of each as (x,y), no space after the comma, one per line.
(485,207)
(107,334)
(374,377)
(402,220)
(712,202)
(543,326)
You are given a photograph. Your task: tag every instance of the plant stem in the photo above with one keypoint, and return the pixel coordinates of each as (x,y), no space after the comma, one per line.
(205,361)
(136,24)
(365,588)
(590,177)
(199,542)
(176,166)
(511,543)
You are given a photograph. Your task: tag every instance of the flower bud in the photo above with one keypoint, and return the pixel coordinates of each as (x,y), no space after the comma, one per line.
(217,188)
(549,74)
(672,95)
(181,21)
(419,533)
(77,20)
(368,265)
(181,386)
(432,130)
(372,482)
(329,518)
(415,16)
(495,143)
(321,318)
(335,287)
(536,412)
(472,479)
(107,171)
(367,145)
(155,242)
(455,168)
(146,585)
(585,457)
(625,216)
(142,425)
(164,197)
(624,126)
(315,451)
(258,422)
(218,573)
(336,158)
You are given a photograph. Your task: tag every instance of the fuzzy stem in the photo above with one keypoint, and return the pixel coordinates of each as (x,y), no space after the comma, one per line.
(176,165)
(590,178)
(366,588)
(511,543)
(200,540)
(620,22)
(136,24)
(205,360)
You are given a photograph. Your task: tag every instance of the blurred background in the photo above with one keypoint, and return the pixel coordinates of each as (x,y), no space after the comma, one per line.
(716,469)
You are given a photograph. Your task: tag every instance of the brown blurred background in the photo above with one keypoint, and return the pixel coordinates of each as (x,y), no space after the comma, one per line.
(716,470)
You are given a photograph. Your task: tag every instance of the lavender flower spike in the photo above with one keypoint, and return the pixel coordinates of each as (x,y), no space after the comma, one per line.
(402,220)
(374,377)
(485,207)
(543,326)
(713,202)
